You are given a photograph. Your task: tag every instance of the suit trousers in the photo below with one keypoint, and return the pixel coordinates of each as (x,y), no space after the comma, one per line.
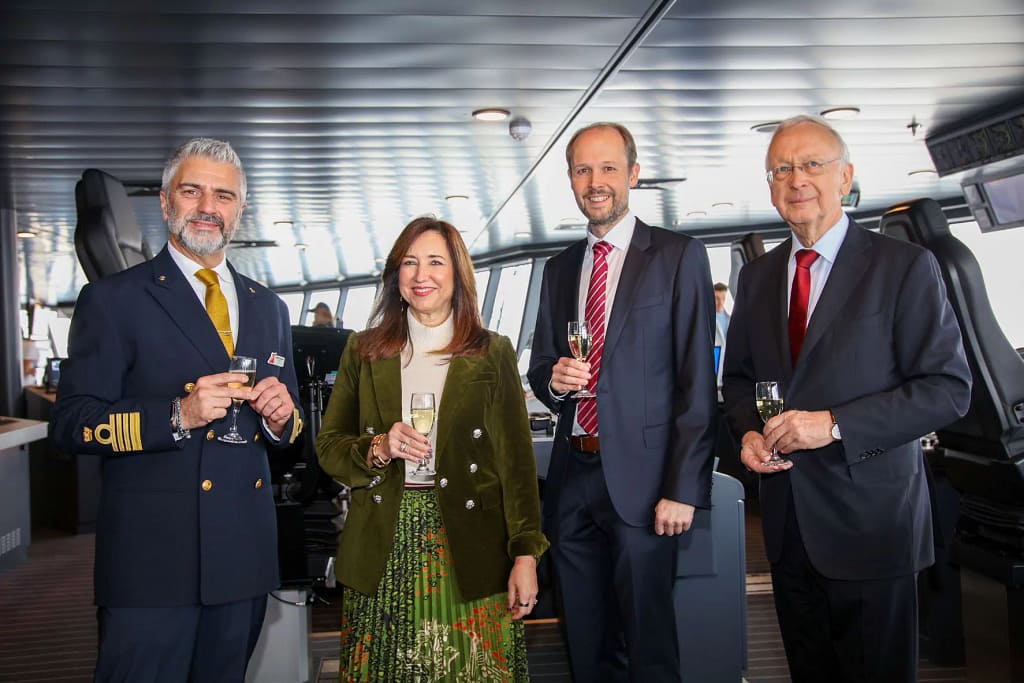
(195,643)
(615,582)
(843,631)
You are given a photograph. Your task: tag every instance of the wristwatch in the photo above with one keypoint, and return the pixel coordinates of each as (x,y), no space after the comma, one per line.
(835,427)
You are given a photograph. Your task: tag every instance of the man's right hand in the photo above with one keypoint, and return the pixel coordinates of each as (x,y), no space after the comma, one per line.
(754,454)
(569,374)
(210,399)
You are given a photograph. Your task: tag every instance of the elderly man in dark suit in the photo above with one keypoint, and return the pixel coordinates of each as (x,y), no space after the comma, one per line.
(856,329)
(186,541)
(629,466)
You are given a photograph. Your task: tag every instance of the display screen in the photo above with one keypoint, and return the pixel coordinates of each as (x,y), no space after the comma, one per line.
(1006,197)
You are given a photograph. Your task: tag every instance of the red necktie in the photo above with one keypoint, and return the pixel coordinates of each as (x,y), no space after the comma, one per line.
(586,412)
(798,301)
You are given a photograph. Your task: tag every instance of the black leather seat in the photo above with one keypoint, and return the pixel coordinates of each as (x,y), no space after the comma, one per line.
(107,235)
(989,440)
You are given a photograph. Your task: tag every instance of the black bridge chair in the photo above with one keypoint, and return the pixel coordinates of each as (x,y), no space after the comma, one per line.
(743,251)
(990,438)
(107,235)
(977,486)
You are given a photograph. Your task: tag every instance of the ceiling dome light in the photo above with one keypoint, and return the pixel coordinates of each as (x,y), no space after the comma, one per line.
(722,205)
(456,197)
(491,114)
(26,234)
(922,171)
(767,127)
(840,113)
(697,214)
(283,224)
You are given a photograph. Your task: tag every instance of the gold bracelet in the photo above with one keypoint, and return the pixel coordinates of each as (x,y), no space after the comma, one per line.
(375,457)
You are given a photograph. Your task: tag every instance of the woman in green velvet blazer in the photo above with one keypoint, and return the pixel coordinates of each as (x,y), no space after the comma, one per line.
(485,488)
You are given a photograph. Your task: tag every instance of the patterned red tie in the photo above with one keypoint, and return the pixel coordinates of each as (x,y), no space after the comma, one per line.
(798,301)
(586,412)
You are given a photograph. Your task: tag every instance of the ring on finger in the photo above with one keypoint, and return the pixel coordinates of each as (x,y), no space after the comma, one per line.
(404,445)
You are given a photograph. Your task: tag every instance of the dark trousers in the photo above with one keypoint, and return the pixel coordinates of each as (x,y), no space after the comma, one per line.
(616,585)
(843,631)
(197,644)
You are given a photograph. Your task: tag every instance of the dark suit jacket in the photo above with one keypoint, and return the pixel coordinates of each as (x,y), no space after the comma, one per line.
(162,539)
(883,352)
(486,473)
(656,393)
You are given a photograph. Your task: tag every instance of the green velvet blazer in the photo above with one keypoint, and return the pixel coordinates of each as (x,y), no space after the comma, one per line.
(486,472)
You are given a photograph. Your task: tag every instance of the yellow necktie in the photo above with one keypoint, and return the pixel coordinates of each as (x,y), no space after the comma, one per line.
(217,307)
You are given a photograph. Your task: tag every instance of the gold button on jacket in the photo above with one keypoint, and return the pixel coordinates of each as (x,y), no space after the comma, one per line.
(207,484)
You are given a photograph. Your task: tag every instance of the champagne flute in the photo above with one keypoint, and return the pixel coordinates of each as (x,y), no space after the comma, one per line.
(240,365)
(579,345)
(768,399)
(422,409)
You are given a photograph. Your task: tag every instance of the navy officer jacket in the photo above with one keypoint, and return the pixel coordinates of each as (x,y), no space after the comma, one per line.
(180,522)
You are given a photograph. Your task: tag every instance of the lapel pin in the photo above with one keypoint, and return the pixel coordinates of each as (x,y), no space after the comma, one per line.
(276,359)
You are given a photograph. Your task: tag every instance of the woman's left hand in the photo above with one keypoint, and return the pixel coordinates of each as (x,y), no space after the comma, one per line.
(522,586)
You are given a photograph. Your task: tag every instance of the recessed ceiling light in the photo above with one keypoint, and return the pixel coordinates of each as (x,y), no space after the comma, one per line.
(922,171)
(767,127)
(837,113)
(283,224)
(456,197)
(722,205)
(696,214)
(491,114)
(301,246)
(26,234)
(523,234)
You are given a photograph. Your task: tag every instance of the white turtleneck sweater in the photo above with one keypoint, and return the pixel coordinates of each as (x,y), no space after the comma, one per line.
(424,372)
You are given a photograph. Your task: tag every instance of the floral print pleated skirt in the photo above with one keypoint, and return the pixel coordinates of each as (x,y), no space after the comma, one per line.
(413,629)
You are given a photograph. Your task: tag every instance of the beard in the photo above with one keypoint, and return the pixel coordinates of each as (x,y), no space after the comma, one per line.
(199,243)
(619,208)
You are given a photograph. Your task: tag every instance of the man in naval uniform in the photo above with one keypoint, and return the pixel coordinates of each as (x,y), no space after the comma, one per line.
(186,540)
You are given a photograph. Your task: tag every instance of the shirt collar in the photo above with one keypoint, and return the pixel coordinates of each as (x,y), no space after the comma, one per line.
(828,244)
(188,267)
(619,236)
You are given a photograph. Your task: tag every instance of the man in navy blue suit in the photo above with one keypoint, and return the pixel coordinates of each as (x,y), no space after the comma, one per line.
(856,329)
(186,540)
(628,467)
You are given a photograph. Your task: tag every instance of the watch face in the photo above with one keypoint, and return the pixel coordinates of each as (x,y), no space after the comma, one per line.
(835,431)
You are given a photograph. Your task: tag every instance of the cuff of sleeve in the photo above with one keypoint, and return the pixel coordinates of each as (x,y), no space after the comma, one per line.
(554,396)
(532,543)
(155,426)
(270,434)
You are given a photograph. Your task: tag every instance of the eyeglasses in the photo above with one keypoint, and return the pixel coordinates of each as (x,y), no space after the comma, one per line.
(780,173)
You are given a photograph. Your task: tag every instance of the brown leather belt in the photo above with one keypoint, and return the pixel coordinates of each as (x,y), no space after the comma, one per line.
(585,443)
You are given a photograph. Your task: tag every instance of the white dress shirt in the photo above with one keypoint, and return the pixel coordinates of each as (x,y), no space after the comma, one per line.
(827,247)
(189,267)
(619,237)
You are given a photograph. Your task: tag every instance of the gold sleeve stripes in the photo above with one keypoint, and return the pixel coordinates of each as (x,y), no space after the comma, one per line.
(123,432)
(296,425)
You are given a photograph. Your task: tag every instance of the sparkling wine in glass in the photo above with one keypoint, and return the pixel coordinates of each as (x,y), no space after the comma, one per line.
(768,399)
(579,345)
(423,412)
(241,365)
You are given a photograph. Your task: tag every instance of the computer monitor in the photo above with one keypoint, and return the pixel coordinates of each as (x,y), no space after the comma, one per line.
(323,344)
